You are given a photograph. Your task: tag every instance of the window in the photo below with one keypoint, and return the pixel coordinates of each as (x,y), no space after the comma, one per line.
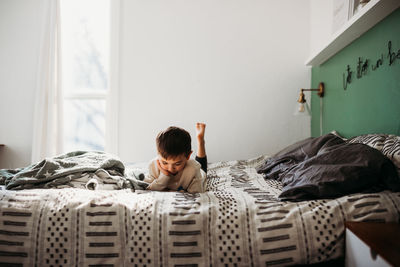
(85,72)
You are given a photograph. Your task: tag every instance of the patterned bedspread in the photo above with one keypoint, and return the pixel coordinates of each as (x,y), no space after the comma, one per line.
(238,222)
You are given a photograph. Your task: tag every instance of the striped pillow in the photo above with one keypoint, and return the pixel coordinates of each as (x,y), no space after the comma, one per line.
(388,144)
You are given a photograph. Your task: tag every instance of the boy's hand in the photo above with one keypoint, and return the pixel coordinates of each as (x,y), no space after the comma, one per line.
(163,171)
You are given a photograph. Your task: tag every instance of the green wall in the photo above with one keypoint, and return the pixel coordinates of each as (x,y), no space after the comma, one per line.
(370,104)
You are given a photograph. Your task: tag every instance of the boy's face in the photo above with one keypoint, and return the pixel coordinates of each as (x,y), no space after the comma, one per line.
(173,165)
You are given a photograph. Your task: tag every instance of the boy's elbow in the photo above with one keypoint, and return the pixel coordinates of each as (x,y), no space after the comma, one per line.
(196,188)
(193,191)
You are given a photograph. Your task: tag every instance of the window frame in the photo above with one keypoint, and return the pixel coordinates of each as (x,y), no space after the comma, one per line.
(112,97)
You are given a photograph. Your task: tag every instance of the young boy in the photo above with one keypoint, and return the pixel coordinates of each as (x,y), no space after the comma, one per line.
(173,169)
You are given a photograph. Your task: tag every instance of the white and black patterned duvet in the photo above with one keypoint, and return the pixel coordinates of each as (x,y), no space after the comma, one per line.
(238,222)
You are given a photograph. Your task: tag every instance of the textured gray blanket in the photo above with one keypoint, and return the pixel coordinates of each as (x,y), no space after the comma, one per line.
(328,167)
(78,169)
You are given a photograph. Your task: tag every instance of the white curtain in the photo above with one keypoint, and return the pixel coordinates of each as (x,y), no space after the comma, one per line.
(47,117)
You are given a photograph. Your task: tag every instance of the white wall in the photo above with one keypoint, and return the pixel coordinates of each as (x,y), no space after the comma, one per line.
(236,65)
(19,44)
(321,17)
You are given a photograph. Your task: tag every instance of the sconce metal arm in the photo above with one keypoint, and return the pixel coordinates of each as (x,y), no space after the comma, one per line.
(321,90)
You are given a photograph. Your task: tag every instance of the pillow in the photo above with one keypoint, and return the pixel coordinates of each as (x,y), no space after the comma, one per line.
(338,135)
(388,144)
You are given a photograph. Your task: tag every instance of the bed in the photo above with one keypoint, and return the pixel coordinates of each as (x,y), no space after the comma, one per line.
(239,221)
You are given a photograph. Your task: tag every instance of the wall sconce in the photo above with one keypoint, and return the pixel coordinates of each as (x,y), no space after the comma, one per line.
(302,107)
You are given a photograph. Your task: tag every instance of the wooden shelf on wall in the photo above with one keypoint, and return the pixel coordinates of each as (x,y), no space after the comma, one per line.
(372,13)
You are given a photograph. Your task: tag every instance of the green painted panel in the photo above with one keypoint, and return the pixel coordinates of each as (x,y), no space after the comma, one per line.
(370,104)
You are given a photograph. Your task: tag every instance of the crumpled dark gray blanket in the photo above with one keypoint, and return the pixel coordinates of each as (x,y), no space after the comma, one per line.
(328,167)
(81,169)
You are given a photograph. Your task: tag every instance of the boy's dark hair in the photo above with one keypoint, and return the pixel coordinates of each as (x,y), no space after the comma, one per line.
(173,141)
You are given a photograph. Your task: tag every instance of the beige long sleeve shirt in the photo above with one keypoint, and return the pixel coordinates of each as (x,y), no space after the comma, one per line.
(191,178)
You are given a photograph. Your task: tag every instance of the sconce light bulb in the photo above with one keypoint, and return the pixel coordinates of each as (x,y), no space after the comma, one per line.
(301,107)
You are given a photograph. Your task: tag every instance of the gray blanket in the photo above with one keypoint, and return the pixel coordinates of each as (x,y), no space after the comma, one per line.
(78,169)
(328,167)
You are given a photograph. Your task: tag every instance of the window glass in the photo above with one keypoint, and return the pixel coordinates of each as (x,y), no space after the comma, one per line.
(85,44)
(84,125)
